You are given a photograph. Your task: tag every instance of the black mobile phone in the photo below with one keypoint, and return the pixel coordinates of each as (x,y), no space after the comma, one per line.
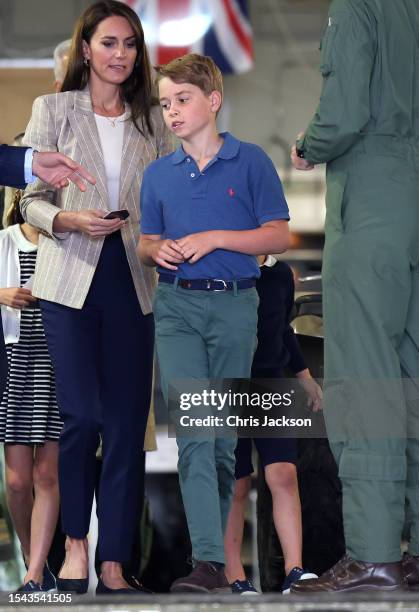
(117,214)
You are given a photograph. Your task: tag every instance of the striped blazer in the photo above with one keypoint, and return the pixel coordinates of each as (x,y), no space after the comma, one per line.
(66,262)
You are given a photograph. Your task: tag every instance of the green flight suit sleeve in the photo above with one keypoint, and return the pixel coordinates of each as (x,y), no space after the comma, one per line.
(347,54)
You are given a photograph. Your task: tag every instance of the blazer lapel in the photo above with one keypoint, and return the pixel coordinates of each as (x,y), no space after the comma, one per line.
(132,153)
(83,124)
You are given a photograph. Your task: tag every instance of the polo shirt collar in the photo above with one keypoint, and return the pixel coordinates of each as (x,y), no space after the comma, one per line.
(229,149)
(179,155)
(230,146)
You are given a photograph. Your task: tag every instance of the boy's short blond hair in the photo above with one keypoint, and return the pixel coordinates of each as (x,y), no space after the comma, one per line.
(199,70)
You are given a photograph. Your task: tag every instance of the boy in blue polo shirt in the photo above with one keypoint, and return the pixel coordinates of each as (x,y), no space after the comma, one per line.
(207,211)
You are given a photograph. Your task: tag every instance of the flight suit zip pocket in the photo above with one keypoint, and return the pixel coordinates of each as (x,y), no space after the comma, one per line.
(326,47)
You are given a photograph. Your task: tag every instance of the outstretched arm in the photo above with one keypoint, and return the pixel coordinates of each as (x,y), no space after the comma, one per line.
(57,170)
(12,166)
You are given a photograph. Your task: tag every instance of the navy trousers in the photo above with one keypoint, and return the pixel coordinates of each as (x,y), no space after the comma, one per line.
(103,362)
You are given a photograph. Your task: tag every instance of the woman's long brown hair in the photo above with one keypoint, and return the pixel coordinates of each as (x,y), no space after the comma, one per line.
(137,89)
(13,214)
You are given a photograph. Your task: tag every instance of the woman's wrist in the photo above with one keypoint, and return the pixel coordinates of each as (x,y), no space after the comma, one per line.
(65,222)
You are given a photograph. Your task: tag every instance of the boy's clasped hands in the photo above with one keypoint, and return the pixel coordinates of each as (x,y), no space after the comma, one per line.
(187,249)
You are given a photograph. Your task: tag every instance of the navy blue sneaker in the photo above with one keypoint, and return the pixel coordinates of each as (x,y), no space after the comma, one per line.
(48,579)
(30,587)
(243,587)
(296,574)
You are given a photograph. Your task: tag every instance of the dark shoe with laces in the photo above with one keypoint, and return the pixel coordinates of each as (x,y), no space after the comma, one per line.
(205,577)
(350,576)
(296,574)
(49,582)
(30,587)
(410,567)
(243,587)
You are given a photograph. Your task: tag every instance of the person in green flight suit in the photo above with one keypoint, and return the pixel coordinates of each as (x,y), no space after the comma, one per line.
(366,129)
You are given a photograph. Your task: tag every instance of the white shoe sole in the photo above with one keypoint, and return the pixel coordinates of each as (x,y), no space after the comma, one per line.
(307,576)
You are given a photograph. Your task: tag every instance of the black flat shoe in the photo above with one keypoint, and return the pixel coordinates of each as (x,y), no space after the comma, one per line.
(137,585)
(73,585)
(102,589)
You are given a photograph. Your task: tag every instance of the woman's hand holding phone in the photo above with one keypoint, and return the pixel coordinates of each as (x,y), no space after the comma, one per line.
(117,214)
(90,222)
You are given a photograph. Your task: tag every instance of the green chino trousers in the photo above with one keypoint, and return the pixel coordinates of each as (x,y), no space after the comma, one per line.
(205,335)
(371,318)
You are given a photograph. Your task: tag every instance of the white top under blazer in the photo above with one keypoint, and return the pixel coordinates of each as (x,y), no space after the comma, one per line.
(66,262)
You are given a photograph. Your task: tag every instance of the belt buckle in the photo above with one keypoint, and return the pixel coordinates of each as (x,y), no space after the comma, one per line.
(217,280)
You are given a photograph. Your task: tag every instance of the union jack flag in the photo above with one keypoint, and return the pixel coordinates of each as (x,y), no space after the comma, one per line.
(218,28)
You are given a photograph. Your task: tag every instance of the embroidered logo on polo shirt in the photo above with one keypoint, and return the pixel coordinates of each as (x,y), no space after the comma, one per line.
(231,192)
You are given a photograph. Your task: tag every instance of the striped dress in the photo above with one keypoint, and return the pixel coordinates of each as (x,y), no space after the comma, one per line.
(28,410)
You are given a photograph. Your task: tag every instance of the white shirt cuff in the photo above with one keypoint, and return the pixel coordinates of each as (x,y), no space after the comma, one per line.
(29,177)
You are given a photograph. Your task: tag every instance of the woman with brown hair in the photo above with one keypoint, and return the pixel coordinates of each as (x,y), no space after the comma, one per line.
(94,293)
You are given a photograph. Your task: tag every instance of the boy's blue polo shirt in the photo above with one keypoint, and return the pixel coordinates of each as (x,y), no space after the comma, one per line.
(239,189)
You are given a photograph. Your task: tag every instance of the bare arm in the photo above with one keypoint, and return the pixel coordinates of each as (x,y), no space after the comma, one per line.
(271,237)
